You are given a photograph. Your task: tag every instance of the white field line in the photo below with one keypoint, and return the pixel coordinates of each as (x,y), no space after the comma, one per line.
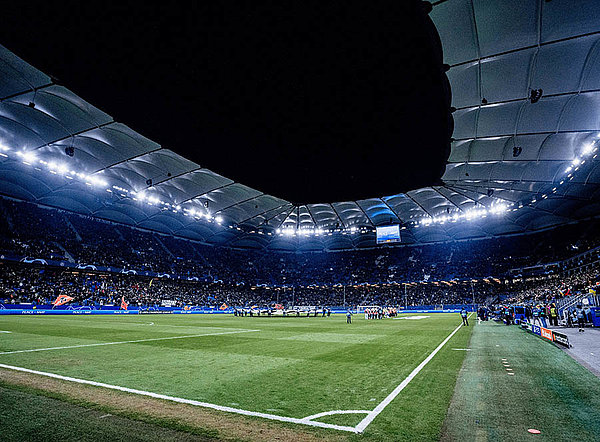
(122,320)
(125,342)
(183,401)
(379,408)
(330,413)
(4,331)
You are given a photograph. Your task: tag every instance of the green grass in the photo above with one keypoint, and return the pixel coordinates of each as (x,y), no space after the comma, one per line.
(29,416)
(549,391)
(291,367)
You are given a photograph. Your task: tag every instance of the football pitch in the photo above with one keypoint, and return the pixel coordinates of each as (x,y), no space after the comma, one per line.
(381,379)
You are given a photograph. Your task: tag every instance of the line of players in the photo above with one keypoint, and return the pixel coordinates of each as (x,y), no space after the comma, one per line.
(380,313)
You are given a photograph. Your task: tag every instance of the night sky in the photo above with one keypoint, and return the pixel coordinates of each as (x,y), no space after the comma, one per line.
(311,102)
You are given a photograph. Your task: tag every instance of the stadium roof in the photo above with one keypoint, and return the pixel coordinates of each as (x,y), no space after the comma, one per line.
(525,80)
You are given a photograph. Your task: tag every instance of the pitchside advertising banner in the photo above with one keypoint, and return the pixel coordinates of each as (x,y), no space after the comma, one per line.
(553,336)
(24,309)
(546,333)
(561,338)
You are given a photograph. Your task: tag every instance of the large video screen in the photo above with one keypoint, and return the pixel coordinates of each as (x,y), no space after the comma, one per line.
(388,234)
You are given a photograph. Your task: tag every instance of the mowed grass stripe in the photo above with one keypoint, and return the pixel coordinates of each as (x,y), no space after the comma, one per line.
(329,368)
(135,341)
(46,332)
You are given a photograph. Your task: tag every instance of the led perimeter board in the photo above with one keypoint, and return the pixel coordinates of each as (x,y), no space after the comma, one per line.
(388,234)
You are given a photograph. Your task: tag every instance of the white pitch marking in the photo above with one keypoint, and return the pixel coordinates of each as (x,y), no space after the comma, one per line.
(330,413)
(379,408)
(462,349)
(122,321)
(4,331)
(413,317)
(186,401)
(124,342)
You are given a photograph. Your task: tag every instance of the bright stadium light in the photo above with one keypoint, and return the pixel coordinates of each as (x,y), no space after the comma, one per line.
(97,181)
(28,157)
(498,209)
(588,148)
(58,167)
(219,219)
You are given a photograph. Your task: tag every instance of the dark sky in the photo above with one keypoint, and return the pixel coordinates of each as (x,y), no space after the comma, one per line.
(316,102)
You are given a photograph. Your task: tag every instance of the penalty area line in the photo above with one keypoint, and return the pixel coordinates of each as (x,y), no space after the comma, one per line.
(184,401)
(98,344)
(373,414)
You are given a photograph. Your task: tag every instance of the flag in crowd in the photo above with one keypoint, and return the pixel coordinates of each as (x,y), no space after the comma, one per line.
(61,300)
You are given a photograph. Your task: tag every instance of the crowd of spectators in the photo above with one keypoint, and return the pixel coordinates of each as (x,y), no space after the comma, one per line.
(436,273)
(23,283)
(551,287)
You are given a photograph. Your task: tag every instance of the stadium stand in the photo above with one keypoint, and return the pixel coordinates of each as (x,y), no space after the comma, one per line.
(87,256)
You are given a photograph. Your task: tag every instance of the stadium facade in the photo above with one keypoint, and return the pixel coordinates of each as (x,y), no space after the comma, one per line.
(525,84)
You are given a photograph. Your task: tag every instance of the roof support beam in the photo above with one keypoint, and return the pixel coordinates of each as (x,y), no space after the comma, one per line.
(391,210)
(206,192)
(128,159)
(263,212)
(239,202)
(366,215)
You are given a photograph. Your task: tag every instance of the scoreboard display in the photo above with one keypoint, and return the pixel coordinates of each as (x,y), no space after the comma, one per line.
(388,234)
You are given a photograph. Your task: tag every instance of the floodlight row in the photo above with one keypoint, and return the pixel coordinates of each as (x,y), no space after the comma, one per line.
(498,208)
